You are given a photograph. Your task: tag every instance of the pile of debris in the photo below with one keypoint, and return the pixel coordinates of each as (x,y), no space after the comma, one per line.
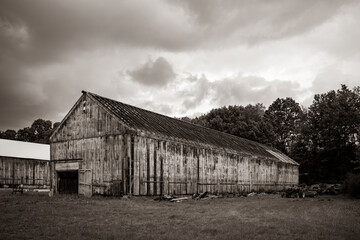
(171,198)
(203,196)
(323,188)
(294,192)
(200,196)
(312,191)
(206,196)
(301,191)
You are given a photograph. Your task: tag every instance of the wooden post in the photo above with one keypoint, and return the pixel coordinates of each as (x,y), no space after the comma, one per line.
(198,172)
(155,169)
(13,172)
(34,174)
(161,172)
(125,168)
(147,167)
(130,158)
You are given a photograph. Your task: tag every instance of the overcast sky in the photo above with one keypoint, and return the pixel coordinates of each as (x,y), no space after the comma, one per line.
(173,57)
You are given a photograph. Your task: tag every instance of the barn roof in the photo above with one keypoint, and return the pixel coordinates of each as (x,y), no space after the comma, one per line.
(18,149)
(142,119)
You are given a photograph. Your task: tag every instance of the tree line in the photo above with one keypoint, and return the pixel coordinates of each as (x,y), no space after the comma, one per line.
(323,138)
(39,132)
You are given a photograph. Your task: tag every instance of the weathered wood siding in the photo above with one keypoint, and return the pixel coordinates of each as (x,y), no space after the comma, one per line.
(169,167)
(104,156)
(97,141)
(142,163)
(24,171)
(92,123)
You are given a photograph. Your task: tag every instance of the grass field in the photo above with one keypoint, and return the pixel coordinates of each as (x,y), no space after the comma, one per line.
(36,216)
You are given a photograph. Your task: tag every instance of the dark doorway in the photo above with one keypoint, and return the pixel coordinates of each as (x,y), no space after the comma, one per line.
(68,182)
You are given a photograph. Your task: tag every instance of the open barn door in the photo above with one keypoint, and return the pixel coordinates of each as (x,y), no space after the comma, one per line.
(85,182)
(67,176)
(68,182)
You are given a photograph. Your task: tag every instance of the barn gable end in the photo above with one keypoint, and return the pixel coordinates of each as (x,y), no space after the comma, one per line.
(87,119)
(89,140)
(117,148)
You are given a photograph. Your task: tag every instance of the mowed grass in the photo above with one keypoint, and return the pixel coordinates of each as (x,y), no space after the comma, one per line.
(37,216)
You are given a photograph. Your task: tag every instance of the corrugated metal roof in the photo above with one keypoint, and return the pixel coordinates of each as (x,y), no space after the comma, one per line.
(282,157)
(18,149)
(159,124)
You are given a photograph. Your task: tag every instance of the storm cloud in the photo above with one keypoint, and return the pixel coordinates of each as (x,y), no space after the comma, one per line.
(153,73)
(175,57)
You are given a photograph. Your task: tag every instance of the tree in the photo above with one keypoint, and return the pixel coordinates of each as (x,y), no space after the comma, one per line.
(301,153)
(26,134)
(56,125)
(39,132)
(285,116)
(42,130)
(8,134)
(334,120)
(247,122)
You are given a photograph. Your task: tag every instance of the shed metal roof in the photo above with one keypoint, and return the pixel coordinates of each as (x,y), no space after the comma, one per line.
(18,149)
(160,124)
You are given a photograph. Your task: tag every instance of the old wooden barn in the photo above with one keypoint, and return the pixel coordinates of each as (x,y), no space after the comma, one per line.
(103,146)
(24,163)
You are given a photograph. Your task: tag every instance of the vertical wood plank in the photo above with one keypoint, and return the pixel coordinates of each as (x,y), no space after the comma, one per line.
(136,166)
(172,168)
(144,167)
(166,167)
(201,170)
(151,166)
(157,160)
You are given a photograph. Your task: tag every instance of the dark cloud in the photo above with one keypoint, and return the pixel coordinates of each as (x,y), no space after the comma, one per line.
(53,29)
(58,27)
(153,73)
(28,93)
(47,49)
(36,35)
(253,22)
